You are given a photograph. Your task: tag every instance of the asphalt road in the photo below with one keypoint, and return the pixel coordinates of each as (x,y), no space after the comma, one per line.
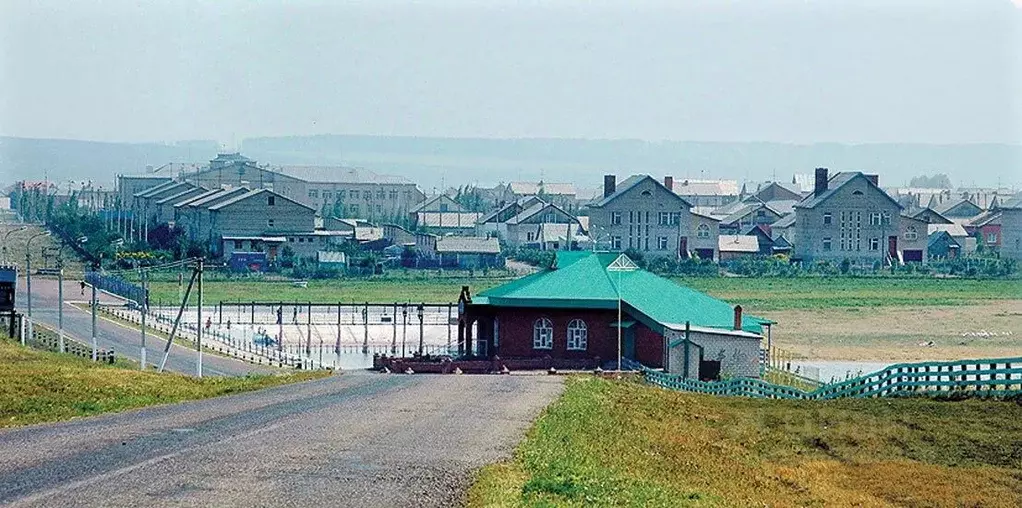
(121,339)
(361,439)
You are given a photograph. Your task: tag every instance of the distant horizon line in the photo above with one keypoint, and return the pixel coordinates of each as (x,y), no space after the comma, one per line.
(480,138)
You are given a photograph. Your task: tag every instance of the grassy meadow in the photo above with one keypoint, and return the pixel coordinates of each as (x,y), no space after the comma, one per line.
(753,293)
(607,443)
(38,386)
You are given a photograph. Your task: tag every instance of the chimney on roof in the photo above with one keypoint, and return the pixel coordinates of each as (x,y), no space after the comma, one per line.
(669,183)
(821,181)
(609,185)
(874,178)
(738,317)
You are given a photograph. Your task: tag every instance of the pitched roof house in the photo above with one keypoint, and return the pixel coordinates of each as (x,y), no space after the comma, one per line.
(643,213)
(568,312)
(847,217)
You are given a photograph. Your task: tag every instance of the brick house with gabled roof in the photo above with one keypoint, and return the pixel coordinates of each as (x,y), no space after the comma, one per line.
(848,216)
(569,312)
(647,215)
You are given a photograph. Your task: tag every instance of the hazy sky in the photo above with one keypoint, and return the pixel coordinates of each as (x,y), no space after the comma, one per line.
(928,71)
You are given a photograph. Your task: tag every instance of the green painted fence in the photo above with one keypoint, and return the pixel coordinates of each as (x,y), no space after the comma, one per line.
(997,377)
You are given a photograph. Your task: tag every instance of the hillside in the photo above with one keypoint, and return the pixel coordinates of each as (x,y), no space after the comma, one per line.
(65,159)
(608,443)
(433,162)
(489,161)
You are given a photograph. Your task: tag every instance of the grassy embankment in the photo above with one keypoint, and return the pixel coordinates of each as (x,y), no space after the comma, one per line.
(38,386)
(610,443)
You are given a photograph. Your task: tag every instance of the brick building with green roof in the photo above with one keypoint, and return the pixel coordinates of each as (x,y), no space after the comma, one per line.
(569,312)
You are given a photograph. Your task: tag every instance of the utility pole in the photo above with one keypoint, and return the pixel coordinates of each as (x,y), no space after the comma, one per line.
(95,344)
(28,279)
(60,301)
(144,309)
(198,329)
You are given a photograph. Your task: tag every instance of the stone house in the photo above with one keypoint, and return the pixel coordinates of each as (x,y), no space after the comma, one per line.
(847,217)
(528,227)
(258,212)
(193,217)
(1011,228)
(647,215)
(914,239)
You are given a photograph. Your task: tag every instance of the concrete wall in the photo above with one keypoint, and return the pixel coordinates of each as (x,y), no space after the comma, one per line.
(252,216)
(810,230)
(738,356)
(1011,233)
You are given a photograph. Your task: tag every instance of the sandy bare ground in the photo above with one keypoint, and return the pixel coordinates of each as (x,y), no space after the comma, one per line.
(985,330)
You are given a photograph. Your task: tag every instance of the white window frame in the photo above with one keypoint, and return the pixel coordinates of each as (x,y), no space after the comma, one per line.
(269,223)
(661,243)
(828,219)
(874,244)
(828,244)
(991,237)
(911,234)
(615,242)
(578,335)
(542,334)
(615,218)
(703,231)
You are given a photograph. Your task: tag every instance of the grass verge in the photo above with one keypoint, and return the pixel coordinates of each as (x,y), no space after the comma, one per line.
(606,443)
(38,386)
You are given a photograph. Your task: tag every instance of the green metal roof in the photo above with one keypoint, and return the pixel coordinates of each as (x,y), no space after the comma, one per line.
(582,280)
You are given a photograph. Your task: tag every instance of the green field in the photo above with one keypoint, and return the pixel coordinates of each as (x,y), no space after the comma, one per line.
(606,443)
(37,386)
(752,293)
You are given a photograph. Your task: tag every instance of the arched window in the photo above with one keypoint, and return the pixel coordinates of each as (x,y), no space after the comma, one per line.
(911,234)
(703,231)
(578,335)
(543,334)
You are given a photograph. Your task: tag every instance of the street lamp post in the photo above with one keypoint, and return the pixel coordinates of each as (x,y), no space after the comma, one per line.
(8,234)
(419,310)
(28,279)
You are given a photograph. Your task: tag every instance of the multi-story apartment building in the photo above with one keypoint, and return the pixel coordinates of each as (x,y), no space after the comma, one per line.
(332,190)
(646,215)
(847,217)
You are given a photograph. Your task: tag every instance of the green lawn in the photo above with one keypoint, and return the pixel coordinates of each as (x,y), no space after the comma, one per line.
(770,293)
(37,386)
(607,443)
(753,293)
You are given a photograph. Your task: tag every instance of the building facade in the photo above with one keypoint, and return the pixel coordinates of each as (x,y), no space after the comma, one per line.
(644,214)
(847,217)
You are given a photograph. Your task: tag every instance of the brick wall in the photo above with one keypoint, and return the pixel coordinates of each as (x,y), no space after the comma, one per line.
(515,331)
